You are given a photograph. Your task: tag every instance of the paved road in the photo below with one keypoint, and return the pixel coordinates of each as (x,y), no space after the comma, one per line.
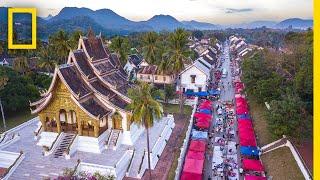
(227,94)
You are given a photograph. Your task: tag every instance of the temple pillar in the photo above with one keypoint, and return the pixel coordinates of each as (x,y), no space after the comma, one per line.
(96,128)
(58,122)
(42,118)
(79,125)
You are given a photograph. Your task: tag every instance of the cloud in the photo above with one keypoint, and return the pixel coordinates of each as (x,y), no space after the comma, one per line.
(232,10)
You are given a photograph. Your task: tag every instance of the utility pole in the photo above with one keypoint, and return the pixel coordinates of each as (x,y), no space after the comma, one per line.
(3,119)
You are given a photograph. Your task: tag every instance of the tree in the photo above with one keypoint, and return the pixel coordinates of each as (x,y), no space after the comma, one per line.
(150,47)
(120,45)
(178,55)
(169,92)
(20,64)
(47,59)
(74,38)
(145,110)
(61,44)
(197,34)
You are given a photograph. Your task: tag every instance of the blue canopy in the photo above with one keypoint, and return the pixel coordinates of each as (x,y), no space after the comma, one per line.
(189,93)
(199,134)
(214,92)
(201,93)
(206,111)
(244,116)
(249,150)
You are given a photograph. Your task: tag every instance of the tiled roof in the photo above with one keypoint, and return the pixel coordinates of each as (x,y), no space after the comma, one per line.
(74,81)
(102,89)
(119,102)
(95,48)
(83,63)
(104,67)
(135,59)
(93,107)
(151,69)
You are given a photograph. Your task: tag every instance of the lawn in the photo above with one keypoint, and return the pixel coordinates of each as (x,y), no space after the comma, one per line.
(174,109)
(280,164)
(259,122)
(16,119)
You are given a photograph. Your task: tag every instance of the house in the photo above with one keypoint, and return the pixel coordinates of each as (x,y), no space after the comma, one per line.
(195,77)
(134,62)
(151,74)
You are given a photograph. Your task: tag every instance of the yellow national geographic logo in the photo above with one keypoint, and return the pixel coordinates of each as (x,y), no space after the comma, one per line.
(33,12)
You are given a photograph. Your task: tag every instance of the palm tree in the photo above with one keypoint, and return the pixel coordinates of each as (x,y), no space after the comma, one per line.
(145,110)
(47,59)
(120,46)
(178,55)
(21,65)
(60,42)
(150,47)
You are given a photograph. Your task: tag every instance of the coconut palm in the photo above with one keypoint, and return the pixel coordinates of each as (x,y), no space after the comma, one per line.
(149,48)
(47,59)
(178,55)
(60,41)
(21,65)
(120,46)
(145,110)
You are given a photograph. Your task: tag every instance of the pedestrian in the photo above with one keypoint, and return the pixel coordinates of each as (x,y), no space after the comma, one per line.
(237,146)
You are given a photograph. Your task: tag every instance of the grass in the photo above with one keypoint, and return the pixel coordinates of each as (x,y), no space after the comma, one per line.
(260,122)
(280,164)
(16,119)
(174,109)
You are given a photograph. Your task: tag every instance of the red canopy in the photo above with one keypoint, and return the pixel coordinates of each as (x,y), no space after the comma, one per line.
(244,119)
(204,120)
(195,155)
(205,107)
(201,115)
(242,110)
(252,164)
(197,145)
(192,169)
(203,124)
(251,177)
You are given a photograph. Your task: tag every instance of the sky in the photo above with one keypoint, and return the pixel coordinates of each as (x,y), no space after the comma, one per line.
(213,11)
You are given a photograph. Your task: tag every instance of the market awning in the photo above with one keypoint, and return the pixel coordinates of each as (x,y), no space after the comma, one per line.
(199,134)
(192,169)
(201,115)
(205,106)
(214,92)
(206,111)
(202,93)
(203,124)
(252,165)
(195,155)
(249,150)
(251,177)
(244,116)
(197,145)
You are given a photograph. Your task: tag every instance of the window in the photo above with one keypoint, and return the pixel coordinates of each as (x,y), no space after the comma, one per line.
(156,77)
(164,79)
(193,78)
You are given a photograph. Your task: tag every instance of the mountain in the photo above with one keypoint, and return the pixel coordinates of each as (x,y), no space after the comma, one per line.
(105,17)
(296,23)
(258,24)
(201,25)
(48,17)
(165,22)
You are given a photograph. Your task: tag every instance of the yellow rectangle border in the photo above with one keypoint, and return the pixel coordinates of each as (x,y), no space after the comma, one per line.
(33,12)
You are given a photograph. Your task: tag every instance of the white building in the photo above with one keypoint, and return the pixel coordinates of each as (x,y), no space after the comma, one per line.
(194,77)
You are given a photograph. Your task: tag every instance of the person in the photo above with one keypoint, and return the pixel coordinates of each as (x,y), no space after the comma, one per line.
(237,146)
(240,171)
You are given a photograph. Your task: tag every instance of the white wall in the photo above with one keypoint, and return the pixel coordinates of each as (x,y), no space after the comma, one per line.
(200,81)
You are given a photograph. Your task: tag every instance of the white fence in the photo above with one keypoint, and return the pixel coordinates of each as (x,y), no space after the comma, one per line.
(185,145)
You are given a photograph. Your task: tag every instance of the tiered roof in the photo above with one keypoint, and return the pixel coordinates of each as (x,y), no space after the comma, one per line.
(94,77)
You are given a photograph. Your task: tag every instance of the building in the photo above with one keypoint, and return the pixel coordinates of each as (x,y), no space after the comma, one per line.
(84,95)
(195,77)
(151,74)
(133,64)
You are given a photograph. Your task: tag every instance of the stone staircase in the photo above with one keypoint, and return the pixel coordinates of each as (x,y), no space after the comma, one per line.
(273,145)
(64,144)
(114,137)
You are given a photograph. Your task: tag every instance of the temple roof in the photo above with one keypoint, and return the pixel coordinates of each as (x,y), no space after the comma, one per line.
(94,77)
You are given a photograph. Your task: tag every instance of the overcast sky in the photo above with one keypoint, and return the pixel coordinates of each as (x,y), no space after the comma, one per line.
(213,11)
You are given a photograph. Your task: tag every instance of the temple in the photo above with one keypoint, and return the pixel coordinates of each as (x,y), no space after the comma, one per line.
(87,93)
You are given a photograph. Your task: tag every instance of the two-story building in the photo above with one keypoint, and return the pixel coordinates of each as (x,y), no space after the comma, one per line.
(151,74)
(195,77)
